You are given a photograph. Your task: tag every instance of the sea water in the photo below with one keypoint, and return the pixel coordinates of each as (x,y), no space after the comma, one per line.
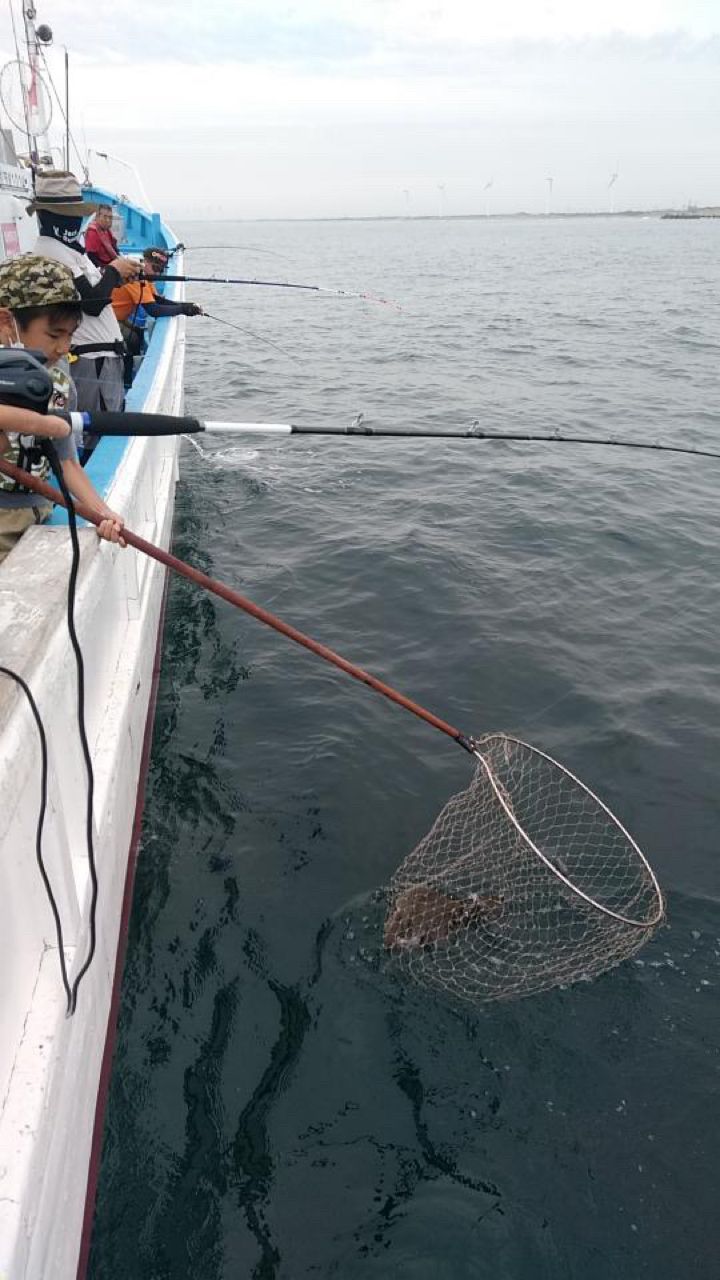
(281,1107)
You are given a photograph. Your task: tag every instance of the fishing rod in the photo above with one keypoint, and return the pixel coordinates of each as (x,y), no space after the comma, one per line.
(281,284)
(159,424)
(268,284)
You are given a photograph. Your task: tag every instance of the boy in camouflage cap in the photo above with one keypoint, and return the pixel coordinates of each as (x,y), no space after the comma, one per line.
(40,308)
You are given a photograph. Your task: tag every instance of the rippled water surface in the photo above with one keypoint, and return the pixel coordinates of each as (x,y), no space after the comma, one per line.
(279,1107)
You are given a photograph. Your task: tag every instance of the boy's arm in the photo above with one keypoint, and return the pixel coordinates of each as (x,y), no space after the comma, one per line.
(27,422)
(81,487)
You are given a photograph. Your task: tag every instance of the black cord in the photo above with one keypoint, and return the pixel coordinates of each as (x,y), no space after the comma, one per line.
(41,821)
(49,449)
(131,323)
(138,304)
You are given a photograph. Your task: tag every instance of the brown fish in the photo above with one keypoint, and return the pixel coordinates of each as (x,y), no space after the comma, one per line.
(422,916)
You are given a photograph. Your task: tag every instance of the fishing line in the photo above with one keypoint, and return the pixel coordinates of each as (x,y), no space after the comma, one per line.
(245,248)
(231,325)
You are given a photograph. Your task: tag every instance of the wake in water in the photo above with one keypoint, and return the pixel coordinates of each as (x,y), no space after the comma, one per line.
(233,456)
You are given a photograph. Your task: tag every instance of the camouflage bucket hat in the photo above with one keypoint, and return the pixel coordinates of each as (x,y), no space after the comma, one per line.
(32,281)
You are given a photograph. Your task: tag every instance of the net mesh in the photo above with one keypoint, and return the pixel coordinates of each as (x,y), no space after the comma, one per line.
(526,881)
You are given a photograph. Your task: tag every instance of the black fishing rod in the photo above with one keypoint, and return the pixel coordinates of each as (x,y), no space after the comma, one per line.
(279,284)
(266,284)
(158,424)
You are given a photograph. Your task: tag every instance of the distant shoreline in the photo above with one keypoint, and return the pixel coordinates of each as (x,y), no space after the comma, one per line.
(679,215)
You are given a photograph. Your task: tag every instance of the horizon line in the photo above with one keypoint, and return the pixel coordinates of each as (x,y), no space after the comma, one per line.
(694,213)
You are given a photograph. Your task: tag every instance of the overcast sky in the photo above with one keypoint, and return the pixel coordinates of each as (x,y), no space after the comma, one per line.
(335,108)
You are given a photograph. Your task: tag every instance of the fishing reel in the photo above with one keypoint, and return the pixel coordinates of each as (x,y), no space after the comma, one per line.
(26,384)
(24,381)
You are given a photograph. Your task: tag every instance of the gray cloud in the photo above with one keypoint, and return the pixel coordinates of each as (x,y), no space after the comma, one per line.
(214,32)
(249,114)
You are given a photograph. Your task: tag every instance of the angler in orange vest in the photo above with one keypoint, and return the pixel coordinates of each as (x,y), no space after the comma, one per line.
(135,300)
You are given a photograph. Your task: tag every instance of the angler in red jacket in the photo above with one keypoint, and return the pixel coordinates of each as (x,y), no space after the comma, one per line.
(100,244)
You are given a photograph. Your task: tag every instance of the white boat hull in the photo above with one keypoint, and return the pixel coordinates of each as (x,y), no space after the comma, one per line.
(50,1065)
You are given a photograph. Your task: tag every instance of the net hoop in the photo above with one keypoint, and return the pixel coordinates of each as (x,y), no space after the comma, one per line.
(18,81)
(569,884)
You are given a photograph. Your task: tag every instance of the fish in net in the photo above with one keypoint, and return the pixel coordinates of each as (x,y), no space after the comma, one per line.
(526,881)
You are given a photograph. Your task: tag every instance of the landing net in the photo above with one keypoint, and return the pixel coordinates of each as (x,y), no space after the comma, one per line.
(526,881)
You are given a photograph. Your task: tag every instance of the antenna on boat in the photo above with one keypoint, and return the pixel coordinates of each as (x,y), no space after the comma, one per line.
(23,91)
(67,109)
(45,37)
(35,105)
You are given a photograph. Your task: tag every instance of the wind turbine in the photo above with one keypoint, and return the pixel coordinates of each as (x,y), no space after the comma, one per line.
(487,187)
(610,186)
(441,189)
(406,194)
(548,201)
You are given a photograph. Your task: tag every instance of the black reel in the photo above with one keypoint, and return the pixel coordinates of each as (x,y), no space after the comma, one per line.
(24,381)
